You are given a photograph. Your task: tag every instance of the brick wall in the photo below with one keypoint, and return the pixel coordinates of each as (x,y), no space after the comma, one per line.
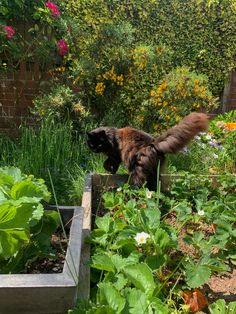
(17,90)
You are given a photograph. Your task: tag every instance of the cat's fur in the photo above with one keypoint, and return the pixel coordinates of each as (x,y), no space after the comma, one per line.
(140,152)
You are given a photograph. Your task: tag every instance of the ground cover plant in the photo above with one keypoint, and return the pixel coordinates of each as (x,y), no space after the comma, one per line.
(25,227)
(154,252)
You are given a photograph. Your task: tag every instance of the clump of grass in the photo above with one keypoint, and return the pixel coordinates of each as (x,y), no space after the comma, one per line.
(53,147)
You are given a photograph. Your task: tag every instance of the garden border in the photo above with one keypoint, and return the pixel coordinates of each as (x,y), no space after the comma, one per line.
(46,293)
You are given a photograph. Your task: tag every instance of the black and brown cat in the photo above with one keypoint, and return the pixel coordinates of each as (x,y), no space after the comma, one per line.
(140,152)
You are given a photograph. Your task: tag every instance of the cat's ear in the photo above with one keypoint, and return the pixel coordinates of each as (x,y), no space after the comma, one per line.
(102,135)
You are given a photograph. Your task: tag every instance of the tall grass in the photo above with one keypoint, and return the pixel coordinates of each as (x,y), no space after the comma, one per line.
(52,147)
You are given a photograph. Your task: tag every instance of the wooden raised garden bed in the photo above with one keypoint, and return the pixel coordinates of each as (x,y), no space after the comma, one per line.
(47,293)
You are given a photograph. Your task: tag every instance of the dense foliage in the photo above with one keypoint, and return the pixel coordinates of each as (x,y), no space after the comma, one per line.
(117,54)
(31,31)
(151,250)
(201,34)
(25,228)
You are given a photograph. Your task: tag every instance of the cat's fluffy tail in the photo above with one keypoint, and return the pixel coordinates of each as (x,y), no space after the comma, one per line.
(181,134)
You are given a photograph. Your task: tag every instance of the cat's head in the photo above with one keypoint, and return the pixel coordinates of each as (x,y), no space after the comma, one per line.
(99,140)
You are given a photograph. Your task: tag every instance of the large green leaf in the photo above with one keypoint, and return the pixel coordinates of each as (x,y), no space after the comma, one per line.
(13,172)
(26,189)
(16,217)
(162,239)
(103,223)
(111,296)
(137,301)
(11,241)
(220,307)
(196,274)
(103,262)
(151,218)
(5,179)
(141,277)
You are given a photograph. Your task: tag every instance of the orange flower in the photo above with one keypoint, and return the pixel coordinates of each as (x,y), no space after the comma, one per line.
(231,125)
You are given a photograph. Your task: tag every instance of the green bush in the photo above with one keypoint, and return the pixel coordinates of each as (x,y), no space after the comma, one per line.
(62,104)
(201,34)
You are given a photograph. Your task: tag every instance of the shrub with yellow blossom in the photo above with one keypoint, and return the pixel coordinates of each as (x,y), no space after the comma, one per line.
(180,92)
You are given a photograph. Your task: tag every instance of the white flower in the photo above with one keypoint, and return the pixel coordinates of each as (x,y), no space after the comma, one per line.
(201,213)
(141,238)
(119,189)
(197,137)
(208,137)
(149,194)
(215,156)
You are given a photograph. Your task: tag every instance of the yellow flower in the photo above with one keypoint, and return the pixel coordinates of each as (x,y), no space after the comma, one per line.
(152,93)
(100,88)
(165,103)
(140,118)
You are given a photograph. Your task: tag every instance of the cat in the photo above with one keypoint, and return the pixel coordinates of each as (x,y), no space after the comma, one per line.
(139,151)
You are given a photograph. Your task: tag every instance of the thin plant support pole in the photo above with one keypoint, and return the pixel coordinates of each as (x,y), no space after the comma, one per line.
(63,230)
(158,184)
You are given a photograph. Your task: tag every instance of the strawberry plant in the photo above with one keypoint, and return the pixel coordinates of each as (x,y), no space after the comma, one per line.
(153,252)
(25,228)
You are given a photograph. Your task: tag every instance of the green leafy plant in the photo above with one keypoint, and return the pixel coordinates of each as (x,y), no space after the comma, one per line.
(148,247)
(25,228)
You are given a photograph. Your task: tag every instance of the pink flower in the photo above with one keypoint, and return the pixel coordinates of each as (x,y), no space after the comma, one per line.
(53,8)
(9,31)
(62,47)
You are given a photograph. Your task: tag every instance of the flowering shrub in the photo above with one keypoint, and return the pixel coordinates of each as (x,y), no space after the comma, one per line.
(62,104)
(180,92)
(62,47)
(45,26)
(53,8)
(116,75)
(9,31)
(209,49)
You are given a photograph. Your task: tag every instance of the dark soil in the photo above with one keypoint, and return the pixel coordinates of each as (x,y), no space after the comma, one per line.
(51,265)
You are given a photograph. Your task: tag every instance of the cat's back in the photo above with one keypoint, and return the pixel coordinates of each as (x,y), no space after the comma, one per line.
(130,135)
(131,140)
